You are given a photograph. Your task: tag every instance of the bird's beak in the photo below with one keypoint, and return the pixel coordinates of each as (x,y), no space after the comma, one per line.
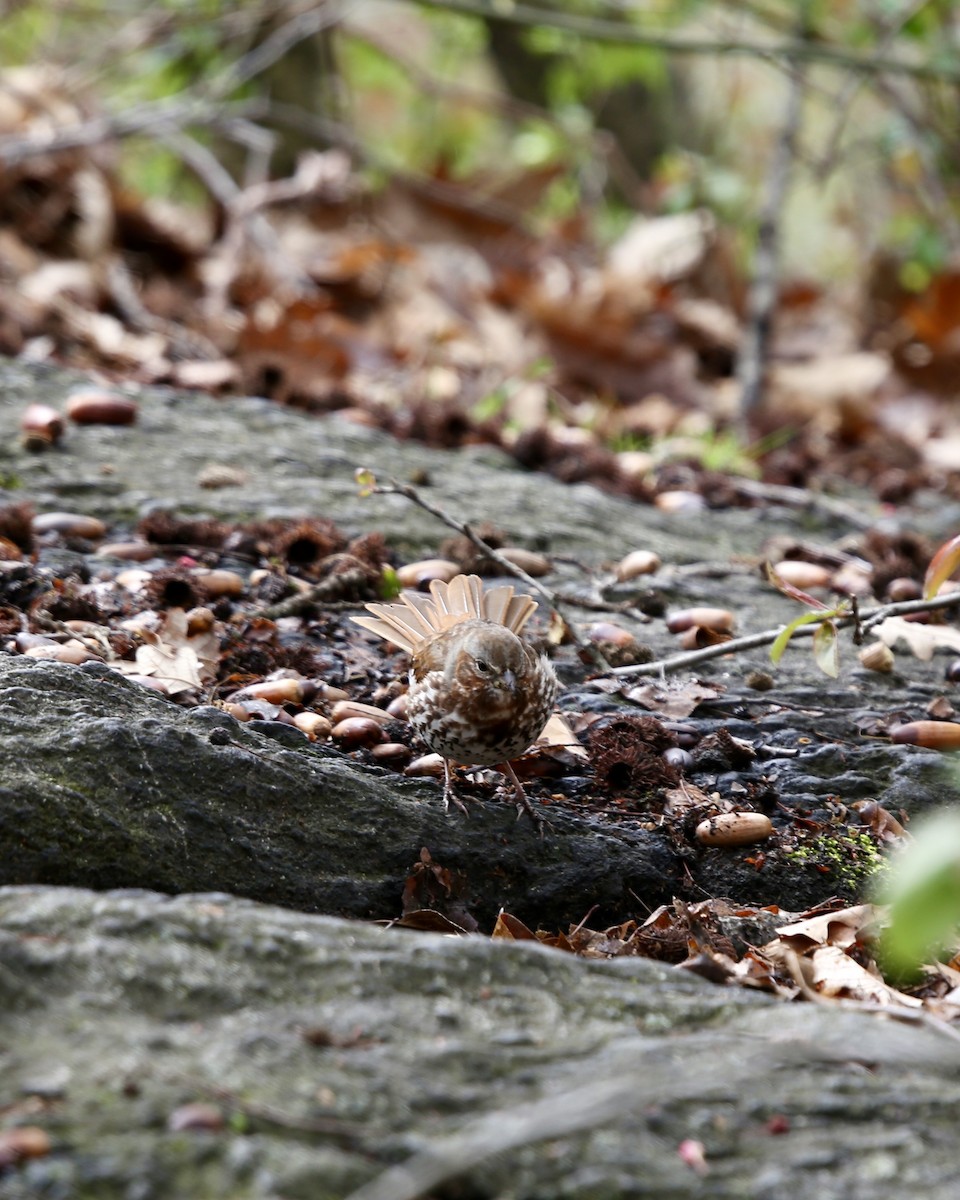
(509,680)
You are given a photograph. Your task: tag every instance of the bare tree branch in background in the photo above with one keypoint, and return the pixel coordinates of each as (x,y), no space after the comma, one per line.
(796,50)
(762,296)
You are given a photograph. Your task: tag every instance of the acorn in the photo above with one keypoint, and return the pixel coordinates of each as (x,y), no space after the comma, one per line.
(421,574)
(69,524)
(934,735)
(129,551)
(206,1118)
(219,582)
(391,754)
(903,588)
(734,829)
(23,1141)
(802,574)
(274,691)
(200,620)
(356,732)
(527,560)
(680,502)
(720,620)
(96,406)
(313,724)
(427,764)
(877,657)
(344,709)
(637,562)
(72,651)
(41,426)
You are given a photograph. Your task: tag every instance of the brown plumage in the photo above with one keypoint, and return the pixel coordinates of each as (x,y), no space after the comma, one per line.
(478,694)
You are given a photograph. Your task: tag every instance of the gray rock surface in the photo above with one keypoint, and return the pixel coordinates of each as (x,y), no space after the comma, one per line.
(107,785)
(334,1051)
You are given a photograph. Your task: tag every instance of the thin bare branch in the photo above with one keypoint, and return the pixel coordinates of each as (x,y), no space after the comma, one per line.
(393,488)
(866,618)
(221,185)
(762,296)
(177,112)
(281,41)
(598,29)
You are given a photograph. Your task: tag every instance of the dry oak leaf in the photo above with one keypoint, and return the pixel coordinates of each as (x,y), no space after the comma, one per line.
(922,640)
(827,929)
(672,700)
(183,663)
(834,973)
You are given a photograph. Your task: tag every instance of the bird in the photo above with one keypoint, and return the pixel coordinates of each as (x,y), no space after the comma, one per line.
(477,694)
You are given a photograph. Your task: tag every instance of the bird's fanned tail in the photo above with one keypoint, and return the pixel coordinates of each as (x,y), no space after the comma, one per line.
(415,617)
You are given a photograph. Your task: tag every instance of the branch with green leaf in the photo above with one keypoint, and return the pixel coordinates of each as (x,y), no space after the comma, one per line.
(822,623)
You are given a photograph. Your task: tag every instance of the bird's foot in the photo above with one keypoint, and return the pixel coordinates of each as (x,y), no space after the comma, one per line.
(523,800)
(449,794)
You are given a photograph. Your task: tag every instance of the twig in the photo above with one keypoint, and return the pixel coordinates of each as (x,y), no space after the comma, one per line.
(185,343)
(844,102)
(222,187)
(171,113)
(868,62)
(394,488)
(762,296)
(866,617)
(328,593)
(281,41)
(804,498)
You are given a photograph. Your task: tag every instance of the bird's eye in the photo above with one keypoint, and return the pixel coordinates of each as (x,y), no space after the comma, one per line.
(483,666)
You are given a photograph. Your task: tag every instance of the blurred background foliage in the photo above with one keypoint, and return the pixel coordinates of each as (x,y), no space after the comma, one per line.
(603,108)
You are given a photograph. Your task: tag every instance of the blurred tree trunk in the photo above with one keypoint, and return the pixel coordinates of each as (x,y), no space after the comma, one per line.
(305,77)
(645,121)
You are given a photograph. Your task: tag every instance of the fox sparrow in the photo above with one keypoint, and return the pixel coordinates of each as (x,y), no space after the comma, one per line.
(478,694)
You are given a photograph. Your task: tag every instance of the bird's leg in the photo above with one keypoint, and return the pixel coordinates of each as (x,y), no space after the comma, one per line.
(448,793)
(523,800)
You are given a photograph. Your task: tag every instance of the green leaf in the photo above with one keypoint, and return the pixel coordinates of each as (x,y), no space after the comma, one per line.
(826,649)
(787,632)
(922,889)
(389,586)
(366,481)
